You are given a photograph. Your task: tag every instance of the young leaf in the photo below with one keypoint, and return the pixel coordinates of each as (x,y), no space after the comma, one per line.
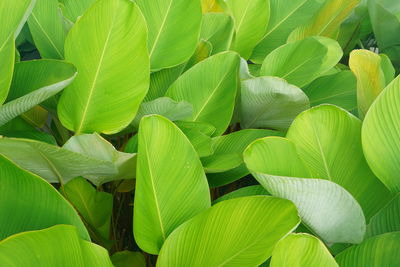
(325,207)
(34,82)
(171,42)
(55,246)
(222,238)
(301,250)
(303,61)
(381,135)
(382,250)
(250,21)
(27,203)
(373,73)
(270,102)
(171,185)
(13,16)
(210,87)
(104,98)
(47,29)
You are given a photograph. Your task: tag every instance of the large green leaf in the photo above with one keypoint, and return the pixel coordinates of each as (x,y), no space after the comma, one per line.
(171,185)
(373,73)
(325,207)
(338,89)
(34,82)
(171,42)
(385,20)
(73,9)
(218,29)
(55,246)
(128,259)
(236,232)
(105,98)
(285,16)
(210,86)
(386,220)
(270,102)
(328,140)
(198,136)
(253,190)
(166,107)
(250,20)
(27,202)
(327,21)
(95,147)
(381,135)
(378,251)
(301,250)
(303,61)
(47,29)
(55,164)
(13,15)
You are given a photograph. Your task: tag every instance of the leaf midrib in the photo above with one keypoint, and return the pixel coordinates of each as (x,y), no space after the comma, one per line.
(161,29)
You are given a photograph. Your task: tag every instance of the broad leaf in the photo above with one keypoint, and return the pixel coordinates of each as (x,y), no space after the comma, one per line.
(301,250)
(381,135)
(250,21)
(253,190)
(270,102)
(303,61)
(170,41)
(210,87)
(13,15)
(285,16)
(382,250)
(218,29)
(74,9)
(327,21)
(210,6)
(128,259)
(372,75)
(104,98)
(55,246)
(27,203)
(54,164)
(222,238)
(47,29)
(325,207)
(166,107)
(34,82)
(339,89)
(171,185)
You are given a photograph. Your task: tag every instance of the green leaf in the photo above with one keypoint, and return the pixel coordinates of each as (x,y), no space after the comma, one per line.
(285,16)
(94,206)
(203,50)
(301,250)
(200,141)
(327,21)
(368,67)
(210,86)
(253,190)
(218,29)
(13,16)
(27,203)
(47,29)
(55,246)
(166,107)
(128,259)
(386,220)
(339,89)
(163,200)
(93,146)
(324,206)
(250,20)
(167,33)
(382,250)
(270,102)
(74,9)
(34,82)
(223,238)
(104,98)
(381,135)
(303,61)
(54,164)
